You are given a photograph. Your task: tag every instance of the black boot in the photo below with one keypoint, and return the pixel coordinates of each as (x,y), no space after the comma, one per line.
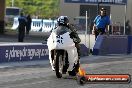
(72,73)
(75,69)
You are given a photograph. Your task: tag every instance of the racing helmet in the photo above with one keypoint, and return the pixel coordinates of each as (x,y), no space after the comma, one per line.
(63,20)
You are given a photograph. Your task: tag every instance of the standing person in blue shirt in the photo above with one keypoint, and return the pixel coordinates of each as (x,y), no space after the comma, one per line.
(21,28)
(101,23)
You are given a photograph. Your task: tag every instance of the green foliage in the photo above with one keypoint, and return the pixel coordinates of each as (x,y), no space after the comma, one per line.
(41,8)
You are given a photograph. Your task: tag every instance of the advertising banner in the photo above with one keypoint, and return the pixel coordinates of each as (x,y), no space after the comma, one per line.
(23,53)
(28,52)
(115,2)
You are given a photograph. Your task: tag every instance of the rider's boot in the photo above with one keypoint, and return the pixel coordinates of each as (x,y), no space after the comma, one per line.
(72,73)
(75,69)
(65,68)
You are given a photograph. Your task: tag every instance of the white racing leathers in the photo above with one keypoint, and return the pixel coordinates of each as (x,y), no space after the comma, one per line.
(63,42)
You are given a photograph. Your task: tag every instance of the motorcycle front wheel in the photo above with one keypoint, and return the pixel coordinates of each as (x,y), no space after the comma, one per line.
(59,64)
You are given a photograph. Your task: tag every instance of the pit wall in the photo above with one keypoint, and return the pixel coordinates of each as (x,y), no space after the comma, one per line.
(114,44)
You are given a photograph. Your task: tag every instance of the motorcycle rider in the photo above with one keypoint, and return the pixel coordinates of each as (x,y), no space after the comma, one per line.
(63,23)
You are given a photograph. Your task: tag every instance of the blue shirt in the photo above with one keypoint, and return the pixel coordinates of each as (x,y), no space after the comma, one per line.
(22,21)
(101,22)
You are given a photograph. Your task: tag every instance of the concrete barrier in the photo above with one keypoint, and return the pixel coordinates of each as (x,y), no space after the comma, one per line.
(97,45)
(129,45)
(16,52)
(36,25)
(111,45)
(84,50)
(48,25)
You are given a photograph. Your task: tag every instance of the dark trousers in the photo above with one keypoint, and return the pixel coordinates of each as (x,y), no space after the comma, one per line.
(21,34)
(99,31)
(28,27)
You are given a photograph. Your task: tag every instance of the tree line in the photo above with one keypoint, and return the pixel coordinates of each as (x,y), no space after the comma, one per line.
(41,8)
